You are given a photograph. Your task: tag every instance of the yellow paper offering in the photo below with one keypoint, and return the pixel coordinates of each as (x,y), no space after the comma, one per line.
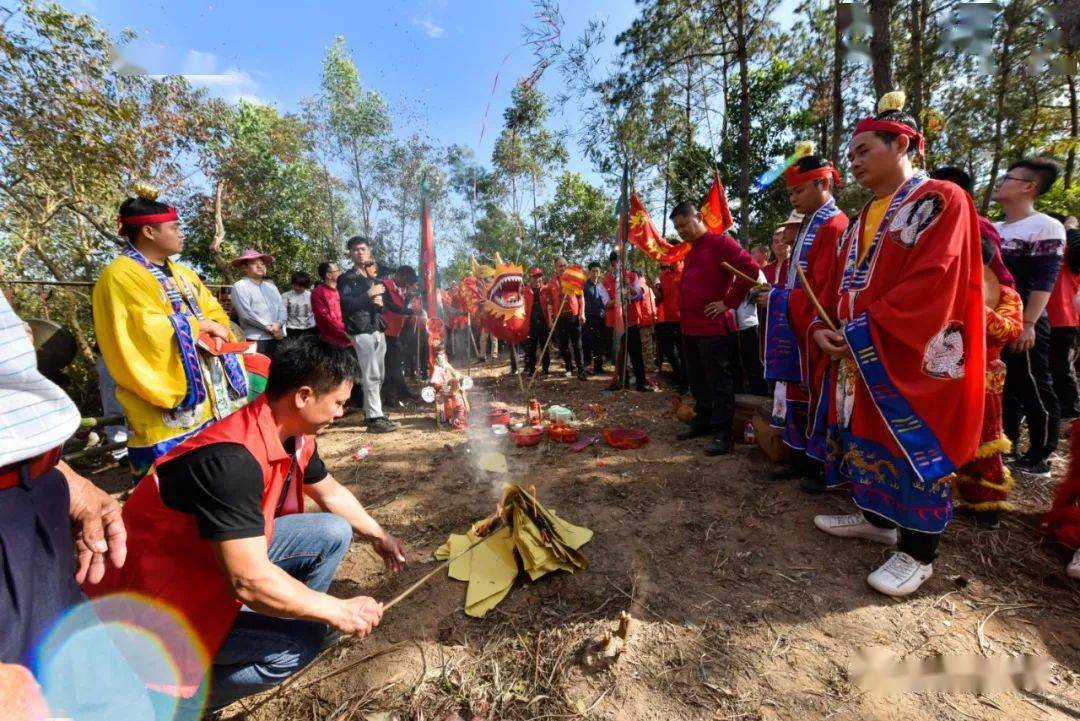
(527,534)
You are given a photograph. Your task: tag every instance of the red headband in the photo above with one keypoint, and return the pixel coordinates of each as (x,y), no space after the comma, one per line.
(794,177)
(891,126)
(149,219)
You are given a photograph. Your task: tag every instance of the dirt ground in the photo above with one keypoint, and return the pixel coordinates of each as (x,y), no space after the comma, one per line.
(746,610)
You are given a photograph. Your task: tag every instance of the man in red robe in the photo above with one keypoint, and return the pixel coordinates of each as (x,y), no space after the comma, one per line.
(907,381)
(810,184)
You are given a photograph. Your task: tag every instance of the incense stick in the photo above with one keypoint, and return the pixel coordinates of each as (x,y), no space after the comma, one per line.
(813,299)
(735,271)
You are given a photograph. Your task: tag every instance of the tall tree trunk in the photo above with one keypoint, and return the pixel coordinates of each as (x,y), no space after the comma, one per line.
(918,20)
(1074,132)
(837,90)
(742,51)
(725,85)
(689,123)
(332,235)
(365,203)
(881,46)
(1004,73)
(219,232)
(663,223)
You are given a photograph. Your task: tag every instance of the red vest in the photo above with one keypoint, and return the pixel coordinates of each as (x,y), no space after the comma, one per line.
(637,311)
(669,286)
(394,321)
(168,561)
(573,302)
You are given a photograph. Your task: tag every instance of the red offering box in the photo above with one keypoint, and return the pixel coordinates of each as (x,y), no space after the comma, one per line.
(625,438)
(528,436)
(562,433)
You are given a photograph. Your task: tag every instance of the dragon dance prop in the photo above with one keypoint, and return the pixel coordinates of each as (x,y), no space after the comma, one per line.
(494,293)
(521,535)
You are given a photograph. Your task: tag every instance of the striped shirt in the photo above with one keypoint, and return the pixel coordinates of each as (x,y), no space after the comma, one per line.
(35,415)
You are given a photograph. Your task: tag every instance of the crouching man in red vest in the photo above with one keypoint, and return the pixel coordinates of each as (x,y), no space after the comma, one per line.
(218,533)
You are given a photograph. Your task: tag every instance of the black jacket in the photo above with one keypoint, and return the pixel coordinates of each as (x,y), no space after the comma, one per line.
(360,314)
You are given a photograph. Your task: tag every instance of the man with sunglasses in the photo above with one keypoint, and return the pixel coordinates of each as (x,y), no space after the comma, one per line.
(1032,246)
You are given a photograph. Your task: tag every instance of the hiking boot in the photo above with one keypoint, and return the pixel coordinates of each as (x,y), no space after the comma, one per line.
(901,575)
(583,376)
(990,520)
(381,425)
(855,525)
(1033,468)
(693,432)
(783,472)
(718,446)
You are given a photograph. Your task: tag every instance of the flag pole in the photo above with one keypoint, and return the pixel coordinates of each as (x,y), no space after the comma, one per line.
(622,349)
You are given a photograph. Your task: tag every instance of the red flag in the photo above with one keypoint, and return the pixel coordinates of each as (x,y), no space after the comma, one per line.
(715,211)
(427,260)
(643,234)
(427,279)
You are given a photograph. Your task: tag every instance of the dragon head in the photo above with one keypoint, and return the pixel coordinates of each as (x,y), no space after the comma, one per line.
(504,304)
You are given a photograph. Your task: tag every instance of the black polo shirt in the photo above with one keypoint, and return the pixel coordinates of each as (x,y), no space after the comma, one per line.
(222,485)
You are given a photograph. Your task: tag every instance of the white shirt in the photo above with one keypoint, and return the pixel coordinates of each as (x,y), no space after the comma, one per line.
(746,314)
(35,415)
(298,310)
(257,306)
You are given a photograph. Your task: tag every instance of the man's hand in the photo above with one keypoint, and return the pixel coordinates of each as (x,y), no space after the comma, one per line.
(832,343)
(377,301)
(357,616)
(1026,340)
(376,289)
(96,526)
(715,309)
(391,550)
(215,329)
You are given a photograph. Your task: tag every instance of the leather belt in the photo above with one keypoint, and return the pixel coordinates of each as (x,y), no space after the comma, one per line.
(12,475)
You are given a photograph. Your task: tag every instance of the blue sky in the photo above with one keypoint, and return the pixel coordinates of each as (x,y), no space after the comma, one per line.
(433,60)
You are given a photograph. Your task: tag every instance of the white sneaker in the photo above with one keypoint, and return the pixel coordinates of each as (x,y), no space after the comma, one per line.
(901,575)
(855,525)
(1073,569)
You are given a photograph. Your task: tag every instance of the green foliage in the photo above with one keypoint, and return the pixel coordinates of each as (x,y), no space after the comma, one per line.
(579,222)
(271,199)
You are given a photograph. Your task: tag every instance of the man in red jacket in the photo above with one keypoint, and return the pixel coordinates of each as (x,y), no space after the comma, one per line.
(220,524)
(708,295)
(668,334)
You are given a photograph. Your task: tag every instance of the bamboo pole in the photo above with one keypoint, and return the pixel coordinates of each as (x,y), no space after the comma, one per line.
(814,299)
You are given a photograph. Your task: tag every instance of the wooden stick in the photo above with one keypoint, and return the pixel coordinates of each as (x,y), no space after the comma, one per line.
(813,299)
(735,271)
(291,681)
(551,332)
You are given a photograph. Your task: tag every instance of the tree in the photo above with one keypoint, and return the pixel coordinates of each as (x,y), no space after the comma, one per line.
(269,204)
(881,46)
(526,148)
(579,221)
(357,122)
(74,137)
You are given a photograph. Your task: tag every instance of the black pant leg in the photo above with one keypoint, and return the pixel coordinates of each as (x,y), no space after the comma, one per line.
(750,358)
(1044,387)
(1017,378)
(561,338)
(1062,359)
(637,359)
(573,335)
(719,367)
(394,387)
(921,546)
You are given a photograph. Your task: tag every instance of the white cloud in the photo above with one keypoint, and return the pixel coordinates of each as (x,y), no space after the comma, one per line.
(233,85)
(429,26)
(198,63)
